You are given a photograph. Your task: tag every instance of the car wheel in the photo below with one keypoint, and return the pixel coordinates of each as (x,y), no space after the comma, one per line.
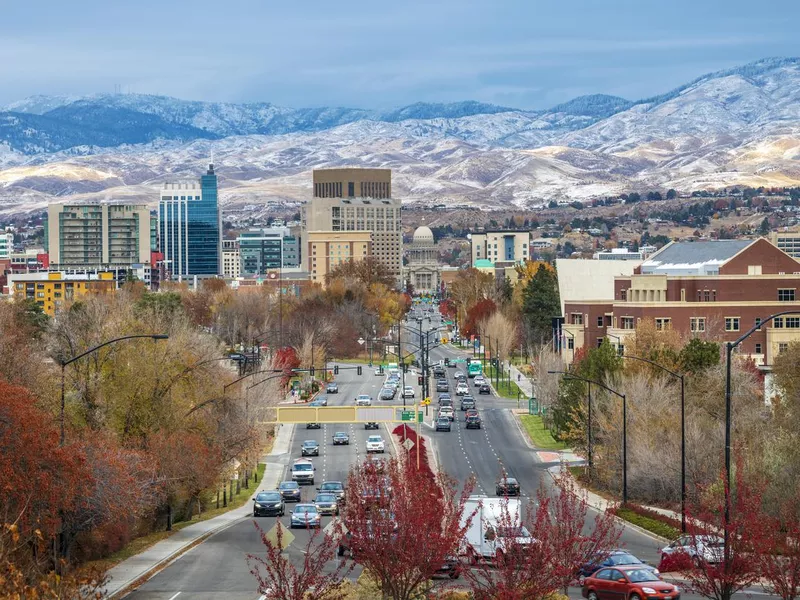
(340,550)
(592,595)
(635,597)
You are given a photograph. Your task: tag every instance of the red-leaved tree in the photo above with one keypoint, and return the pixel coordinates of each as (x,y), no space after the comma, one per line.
(401,524)
(286,358)
(476,314)
(780,559)
(540,551)
(447,308)
(710,570)
(283,575)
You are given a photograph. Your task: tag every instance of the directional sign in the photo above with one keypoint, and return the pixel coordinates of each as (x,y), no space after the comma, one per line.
(425,402)
(331,528)
(284,540)
(408,444)
(407,415)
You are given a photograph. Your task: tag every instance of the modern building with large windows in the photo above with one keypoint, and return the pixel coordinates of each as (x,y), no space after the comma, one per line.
(190,227)
(262,250)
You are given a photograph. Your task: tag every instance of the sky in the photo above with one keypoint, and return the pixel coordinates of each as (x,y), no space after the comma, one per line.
(528,54)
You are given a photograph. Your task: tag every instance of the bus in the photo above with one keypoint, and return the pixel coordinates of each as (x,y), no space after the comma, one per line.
(473,368)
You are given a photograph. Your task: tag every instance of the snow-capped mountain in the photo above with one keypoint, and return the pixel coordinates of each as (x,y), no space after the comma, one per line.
(735,127)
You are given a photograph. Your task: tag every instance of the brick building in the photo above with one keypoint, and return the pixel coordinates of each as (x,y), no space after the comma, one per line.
(715,290)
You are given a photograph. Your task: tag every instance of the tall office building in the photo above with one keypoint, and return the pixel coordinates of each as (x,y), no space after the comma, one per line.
(190,227)
(98,236)
(348,200)
(6,244)
(261,250)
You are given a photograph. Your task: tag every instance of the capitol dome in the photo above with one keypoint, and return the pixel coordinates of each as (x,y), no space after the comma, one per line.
(423,236)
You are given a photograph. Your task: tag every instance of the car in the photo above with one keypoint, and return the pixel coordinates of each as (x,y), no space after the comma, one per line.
(467,402)
(313,426)
(484,389)
(458,375)
(441,386)
(631,582)
(310,448)
(408,392)
(371,425)
(326,504)
(447,411)
(386,393)
(303,471)
(615,558)
(442,424)
(333,487)
(375,443)
(332,388)
(268,503)
(379,371)
(320,401)
(290,491)
(700,548)
(443,397)
(446,402)
(451,568)
(472,412)
(363,400)
(479,380)
(462,389)
(305,515)
(472,421)
(438,371)
(507,486)
(340,438)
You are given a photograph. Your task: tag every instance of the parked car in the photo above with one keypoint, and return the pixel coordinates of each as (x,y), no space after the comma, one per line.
(615,558)
(443,424)
(319,401)
(332,388)
(630,582)
(310,448)
(447,411)
(408,392)
(340,438)
(290,491)
(507,486)
(467,402)
(472,421)
(451,568)
(375,443)
(363,400)
(700,548)
(371,425)
(268,503)
(484,389)
(305,515)
(326,504)
(303,471)
(333,487)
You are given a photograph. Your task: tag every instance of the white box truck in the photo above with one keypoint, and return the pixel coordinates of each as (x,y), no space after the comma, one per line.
(497,523)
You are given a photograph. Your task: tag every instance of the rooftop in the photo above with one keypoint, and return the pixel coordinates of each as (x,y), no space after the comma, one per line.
(700,257)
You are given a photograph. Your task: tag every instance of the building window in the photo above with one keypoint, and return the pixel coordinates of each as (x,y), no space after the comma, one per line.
(623,294)
(793,322)
(599,321)
(351,189)
(577,318)
(600,342)
(758,348)
(782,347)
(731,323)
(627,323)
(663,323)
(786,295)
(697,324)
(707,296)
(777,322)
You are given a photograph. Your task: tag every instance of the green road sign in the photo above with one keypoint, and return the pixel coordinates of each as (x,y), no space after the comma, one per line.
(408,415)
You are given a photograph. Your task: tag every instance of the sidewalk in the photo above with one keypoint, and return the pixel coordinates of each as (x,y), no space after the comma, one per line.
(523,383)
(128,572)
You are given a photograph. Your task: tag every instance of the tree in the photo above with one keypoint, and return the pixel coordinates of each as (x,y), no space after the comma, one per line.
(699,355)
(671,194)
(764,228)
(503,334)
(780,560)
(368,270)
(279,578)
(633,198)
(548,560)
(540,304)
(477,316)
(402,524)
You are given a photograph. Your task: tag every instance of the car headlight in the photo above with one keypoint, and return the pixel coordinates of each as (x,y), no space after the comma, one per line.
(656,571)
(648,590)
(276,505)
(258,505)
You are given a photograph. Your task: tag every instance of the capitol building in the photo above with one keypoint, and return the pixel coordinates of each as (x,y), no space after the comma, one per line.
(423,263)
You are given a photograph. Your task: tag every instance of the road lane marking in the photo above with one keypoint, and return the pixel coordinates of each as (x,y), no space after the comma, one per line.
(175,596)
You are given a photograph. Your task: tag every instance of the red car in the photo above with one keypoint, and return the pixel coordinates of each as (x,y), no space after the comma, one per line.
(628,583)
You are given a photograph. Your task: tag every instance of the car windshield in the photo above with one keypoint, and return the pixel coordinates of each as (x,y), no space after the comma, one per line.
(624,559)
(363,397)
(340,434)
(640,575)
(273,497)
(289,485)
(310,443)
(374,438)
(444,420)
(306,508)
(303,467)
(326,498)
(332,485)
(509,481)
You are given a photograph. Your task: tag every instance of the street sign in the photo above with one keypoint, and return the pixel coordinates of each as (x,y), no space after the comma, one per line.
(533,406)
(426,401)
(331,528)
(408,444)
(286,536)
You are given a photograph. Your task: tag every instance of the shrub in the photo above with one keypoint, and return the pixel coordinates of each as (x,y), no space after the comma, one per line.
(651,524)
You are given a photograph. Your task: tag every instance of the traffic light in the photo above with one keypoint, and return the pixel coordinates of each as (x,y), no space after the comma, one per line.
(419,380)
(358,371)
(335,369)
(446,362)
(405,367)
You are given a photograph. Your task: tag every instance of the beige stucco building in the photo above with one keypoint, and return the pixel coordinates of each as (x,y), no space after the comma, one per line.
(327,249)
(501,246)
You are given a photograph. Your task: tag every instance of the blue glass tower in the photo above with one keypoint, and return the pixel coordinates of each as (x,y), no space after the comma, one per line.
(190,227)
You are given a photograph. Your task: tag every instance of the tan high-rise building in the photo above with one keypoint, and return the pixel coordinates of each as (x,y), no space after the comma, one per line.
(357,200)
(98,235)
(325,250)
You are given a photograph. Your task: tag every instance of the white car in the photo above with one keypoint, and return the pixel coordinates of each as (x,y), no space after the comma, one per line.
(375,443)
(462,389)
(708,548)
(408,392)
(363,400)
(447,411)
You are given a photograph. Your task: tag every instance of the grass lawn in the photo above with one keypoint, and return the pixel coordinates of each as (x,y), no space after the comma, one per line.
(540,437)
(144,542)
(506,389)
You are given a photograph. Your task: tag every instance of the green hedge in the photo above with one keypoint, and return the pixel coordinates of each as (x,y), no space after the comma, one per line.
(650,524)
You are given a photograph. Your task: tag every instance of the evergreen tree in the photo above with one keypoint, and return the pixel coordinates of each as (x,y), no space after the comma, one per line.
(765,228)
(698,355)
(671,194)
(540,303)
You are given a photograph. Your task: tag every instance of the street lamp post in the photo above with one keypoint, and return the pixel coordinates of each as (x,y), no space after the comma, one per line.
(569,375)
(729,348)
(64,363)
(682,378)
